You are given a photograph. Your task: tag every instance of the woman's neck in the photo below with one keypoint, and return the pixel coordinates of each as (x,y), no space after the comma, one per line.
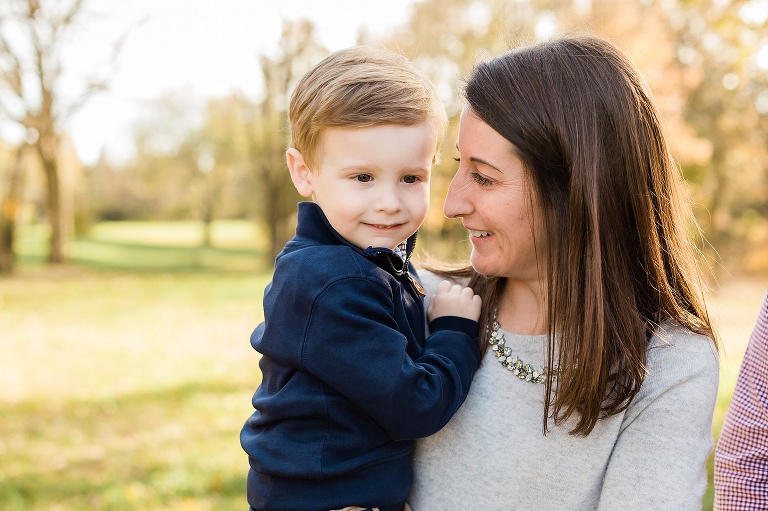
(522,307)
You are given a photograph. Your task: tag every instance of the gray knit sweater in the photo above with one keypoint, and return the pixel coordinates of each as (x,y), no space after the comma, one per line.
(493,455)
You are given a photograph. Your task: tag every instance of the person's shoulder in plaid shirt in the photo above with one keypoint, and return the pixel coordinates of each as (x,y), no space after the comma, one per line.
(741,456)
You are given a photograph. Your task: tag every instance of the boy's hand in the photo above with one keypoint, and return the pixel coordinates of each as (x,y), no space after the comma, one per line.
(454,301)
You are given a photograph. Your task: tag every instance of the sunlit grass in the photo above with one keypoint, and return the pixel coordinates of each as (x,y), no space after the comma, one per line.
(169,246)
(126,390)
(734,311)
(225,233)
(174,448)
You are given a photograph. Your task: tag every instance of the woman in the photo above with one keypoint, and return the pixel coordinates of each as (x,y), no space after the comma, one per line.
(600,371)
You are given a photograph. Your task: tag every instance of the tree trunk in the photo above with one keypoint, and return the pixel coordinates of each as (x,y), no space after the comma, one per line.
(207,216)
(715,248)
(51,167)
(9,212)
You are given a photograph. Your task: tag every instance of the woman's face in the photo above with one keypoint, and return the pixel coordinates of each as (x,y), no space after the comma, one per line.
(491,195)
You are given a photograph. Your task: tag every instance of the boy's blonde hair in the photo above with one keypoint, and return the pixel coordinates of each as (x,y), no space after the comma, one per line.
(360,87)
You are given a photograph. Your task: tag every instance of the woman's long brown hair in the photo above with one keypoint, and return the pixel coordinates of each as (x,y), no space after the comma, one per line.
(618,259)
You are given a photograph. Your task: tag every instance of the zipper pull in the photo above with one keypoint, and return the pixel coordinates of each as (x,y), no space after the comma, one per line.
(419,289)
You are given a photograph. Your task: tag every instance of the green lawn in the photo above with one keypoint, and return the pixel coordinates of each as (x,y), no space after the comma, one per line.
(155,246)
(125,391)
(125,378)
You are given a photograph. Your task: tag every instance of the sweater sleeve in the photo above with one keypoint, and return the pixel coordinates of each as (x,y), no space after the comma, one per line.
(658,461)
(353,344)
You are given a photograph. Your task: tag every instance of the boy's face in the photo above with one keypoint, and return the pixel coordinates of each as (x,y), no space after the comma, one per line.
(373,183)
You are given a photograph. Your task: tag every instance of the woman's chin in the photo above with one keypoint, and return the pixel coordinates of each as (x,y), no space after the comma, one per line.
(480,264)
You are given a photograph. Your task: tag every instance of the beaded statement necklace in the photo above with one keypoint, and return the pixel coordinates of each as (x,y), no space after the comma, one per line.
(516,366)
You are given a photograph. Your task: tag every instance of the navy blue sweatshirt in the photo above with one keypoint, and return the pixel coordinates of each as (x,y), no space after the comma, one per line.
(348,378)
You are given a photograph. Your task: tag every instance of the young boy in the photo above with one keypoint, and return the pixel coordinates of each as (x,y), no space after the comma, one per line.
(348,378)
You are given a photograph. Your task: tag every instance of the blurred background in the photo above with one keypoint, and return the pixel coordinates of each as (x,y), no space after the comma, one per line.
(143,197)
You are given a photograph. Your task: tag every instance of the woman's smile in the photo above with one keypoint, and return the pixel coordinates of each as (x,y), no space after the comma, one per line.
(479,234)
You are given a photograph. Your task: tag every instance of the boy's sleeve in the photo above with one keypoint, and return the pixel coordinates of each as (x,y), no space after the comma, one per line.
(353,344)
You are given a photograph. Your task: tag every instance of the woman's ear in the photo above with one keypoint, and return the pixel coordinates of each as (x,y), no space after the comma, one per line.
(301,175)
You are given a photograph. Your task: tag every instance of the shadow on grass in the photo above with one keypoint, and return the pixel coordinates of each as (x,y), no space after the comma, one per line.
(175,448)
(120,255)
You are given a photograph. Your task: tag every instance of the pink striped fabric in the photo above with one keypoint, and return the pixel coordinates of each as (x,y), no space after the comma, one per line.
(741,456)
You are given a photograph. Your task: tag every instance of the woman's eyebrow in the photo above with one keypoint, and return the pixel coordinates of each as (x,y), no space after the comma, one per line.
(475,159)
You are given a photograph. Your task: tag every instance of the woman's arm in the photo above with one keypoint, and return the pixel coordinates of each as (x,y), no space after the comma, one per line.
(658,461)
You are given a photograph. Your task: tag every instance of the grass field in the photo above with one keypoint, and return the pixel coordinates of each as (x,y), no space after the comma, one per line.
(125,378)
(156,246)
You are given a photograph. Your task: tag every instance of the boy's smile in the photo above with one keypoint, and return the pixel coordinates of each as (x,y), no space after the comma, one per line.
(372,183)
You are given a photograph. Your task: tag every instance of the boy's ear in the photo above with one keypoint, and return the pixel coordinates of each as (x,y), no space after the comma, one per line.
(300,173)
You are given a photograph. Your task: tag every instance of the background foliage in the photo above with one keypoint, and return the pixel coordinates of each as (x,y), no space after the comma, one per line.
(705,60)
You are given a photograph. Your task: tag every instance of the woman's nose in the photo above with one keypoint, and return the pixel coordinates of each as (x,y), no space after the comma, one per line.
(456,201)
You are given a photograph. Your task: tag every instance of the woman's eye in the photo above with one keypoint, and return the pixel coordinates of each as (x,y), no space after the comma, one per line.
(481,180)
(364,178)
(457,160)
(411,179)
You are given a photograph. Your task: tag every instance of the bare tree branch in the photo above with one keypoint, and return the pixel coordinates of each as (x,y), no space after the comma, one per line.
(38,63)
(101,84)
(16,79)
(74,11)
(8,114)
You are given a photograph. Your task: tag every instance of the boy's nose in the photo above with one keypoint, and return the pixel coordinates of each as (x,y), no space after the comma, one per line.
(388,200)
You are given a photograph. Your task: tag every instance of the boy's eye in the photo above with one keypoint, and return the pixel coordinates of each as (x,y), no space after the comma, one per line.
(411,179)
(364,178)
(481,180)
